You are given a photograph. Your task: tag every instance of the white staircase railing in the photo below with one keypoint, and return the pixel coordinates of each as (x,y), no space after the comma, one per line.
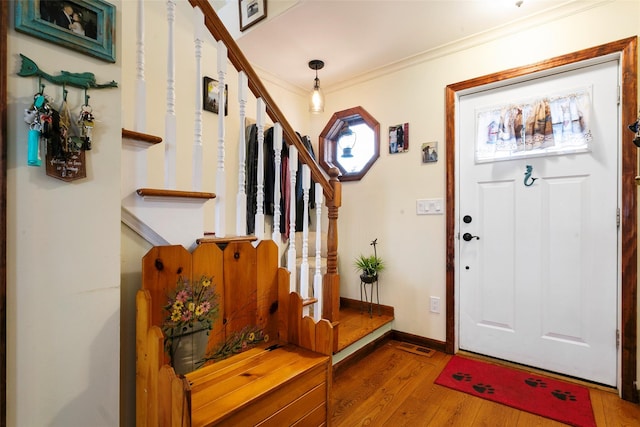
(169,218)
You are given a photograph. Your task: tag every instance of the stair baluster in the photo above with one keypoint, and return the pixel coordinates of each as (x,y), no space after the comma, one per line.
(221,182)
(317,277)
(170,133)
(304,266)
(261,116)
(291,259)
(196,157)
(241,199)
(140,122)
(277,154)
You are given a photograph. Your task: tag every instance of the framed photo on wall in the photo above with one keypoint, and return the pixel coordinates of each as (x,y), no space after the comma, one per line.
(430,152)
(87,26)
(211,90)
(399,138)
(251,11)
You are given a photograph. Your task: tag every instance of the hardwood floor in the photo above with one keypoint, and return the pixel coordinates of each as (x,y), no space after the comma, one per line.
(393,387)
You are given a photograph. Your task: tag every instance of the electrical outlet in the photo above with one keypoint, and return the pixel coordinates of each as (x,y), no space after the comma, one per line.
(434,305)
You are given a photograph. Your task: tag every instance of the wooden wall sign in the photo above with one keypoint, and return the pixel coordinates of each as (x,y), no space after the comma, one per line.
(67,169)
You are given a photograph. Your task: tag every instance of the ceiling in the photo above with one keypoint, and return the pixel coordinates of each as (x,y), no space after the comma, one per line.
(356,37)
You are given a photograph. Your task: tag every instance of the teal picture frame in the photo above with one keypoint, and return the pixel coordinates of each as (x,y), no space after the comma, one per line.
(87,26)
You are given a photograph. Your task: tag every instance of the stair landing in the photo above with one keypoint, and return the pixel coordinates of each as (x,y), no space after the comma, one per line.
(356,322)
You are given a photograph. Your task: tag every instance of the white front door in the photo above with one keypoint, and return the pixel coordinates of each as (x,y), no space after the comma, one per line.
(538,280)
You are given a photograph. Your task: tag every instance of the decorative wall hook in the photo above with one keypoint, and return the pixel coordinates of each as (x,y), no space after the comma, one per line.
(81,80)
(528,180)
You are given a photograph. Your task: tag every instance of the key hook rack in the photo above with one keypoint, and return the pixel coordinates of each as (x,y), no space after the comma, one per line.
(52,133)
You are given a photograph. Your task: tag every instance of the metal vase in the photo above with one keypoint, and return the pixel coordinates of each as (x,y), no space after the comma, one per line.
(188,348)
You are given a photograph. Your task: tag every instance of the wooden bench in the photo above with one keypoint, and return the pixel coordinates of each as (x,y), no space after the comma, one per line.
(283,381)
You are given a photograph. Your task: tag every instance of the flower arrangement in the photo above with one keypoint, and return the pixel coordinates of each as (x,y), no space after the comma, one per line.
(189,304)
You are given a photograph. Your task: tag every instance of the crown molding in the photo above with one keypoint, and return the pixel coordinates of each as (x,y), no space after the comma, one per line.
(555,13)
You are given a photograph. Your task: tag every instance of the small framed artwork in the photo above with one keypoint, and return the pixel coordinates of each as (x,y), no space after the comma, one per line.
(430,152)
(87,26)
(211,91)
(399,138)
(251,11)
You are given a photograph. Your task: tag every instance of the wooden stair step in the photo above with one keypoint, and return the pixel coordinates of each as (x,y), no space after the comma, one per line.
(309,301)
(226,240)
(153,192)
(139,136)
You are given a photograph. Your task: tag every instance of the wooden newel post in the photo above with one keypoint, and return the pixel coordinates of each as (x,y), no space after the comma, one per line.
(331,283)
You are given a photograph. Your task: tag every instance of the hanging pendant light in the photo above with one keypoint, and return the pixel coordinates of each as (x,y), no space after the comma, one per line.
(316,101)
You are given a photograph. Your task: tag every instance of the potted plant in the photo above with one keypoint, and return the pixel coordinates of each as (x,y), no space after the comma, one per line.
(369,266)
(191,308)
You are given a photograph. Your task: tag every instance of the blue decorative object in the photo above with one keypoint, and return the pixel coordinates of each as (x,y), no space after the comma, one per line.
(87,26)
(528,179)
(85,80)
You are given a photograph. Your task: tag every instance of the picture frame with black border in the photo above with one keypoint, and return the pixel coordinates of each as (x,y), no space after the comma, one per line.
(210,89)
(251,12)
(87,26)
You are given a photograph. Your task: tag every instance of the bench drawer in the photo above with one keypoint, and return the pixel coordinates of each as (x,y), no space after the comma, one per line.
(273,403)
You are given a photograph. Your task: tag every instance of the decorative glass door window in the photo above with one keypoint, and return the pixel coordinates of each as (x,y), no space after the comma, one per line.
(551,125)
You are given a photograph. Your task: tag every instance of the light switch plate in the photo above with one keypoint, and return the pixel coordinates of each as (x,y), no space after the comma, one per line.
(429,207)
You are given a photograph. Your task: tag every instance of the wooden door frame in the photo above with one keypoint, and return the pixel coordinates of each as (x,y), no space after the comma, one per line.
(4,24)
(627,49)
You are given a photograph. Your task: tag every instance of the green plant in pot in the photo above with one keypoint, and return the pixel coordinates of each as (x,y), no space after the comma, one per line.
(369,266)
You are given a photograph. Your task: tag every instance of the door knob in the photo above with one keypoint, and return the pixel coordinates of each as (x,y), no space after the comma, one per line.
(468,236)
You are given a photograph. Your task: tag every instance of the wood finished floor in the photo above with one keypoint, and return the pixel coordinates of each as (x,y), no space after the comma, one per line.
(356,323)
(393,387)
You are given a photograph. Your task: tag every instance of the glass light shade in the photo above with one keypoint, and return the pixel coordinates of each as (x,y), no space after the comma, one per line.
(316,101)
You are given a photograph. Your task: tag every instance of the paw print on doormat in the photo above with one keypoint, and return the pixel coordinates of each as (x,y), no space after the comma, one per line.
(461,376)
(564,395)
(484,388)
(535,382)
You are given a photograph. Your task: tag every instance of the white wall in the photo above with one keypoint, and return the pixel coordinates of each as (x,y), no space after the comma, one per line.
(382,205)
(63,256)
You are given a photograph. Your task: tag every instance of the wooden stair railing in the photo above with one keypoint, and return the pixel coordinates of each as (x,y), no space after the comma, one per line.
(331,188)
(240,62)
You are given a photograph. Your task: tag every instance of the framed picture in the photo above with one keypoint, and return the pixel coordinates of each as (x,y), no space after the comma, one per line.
(211,90)
(399,138)
(87,26)
(251,11)
(430,152)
